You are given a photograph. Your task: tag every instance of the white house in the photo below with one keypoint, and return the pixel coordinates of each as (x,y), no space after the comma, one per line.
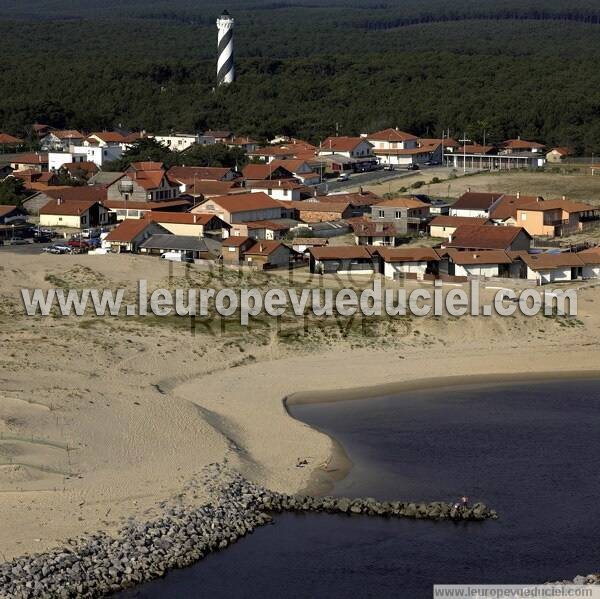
(474,204)
(96,154)
(478,264)
(549,268)
(178,141)
(400,262)
(279,189)
(350,147)
(591,263)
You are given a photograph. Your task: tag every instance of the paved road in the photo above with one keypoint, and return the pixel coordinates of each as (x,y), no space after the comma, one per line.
(374,177)
(28,249)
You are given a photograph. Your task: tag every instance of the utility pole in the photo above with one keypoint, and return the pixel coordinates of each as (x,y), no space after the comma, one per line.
(464,140)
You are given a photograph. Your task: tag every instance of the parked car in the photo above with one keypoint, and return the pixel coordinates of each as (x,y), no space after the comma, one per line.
(41,238)
(78,244)
(412,167)
(18,241)
(388,167)
(343,177)
(57,249)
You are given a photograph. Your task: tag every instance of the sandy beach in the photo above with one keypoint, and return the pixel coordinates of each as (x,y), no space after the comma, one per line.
(103,419)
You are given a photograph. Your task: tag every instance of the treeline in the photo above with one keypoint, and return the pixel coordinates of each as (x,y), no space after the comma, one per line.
(304,69)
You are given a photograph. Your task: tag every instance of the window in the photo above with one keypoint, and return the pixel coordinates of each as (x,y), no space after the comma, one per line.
(285,192)
(398,214)
(381,213)
(524,216)
(231,249)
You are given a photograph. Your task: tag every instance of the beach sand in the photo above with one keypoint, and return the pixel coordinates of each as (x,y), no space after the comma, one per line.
(103,419)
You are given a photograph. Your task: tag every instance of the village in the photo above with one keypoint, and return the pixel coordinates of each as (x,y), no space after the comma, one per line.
(297,205)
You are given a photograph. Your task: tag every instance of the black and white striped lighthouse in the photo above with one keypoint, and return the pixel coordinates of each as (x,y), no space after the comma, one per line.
(225,66)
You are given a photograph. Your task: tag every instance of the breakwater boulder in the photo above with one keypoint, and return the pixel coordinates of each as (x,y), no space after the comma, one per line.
(100,564)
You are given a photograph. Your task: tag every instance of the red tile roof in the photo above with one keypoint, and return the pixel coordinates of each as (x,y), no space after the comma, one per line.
(9,140)
(244,202)
(235,241)
(6,209)
(67,208)
(108,136)
(263,171)
(456,221)
(472,200)
(342,144)
(82,193)
(311,206)
(129,229)
(408,254)
(485,237)
(393,135)
(565,205)
(551,261)
(590,257)
(191,174)
(68,134)
(410,203)
(340,252)
(507,206)
(264,248)
(521,144)
(160,205)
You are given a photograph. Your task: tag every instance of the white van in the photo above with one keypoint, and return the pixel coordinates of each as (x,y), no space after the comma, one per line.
(176,257)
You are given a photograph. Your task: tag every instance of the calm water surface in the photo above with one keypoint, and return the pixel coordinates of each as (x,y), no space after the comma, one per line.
(532,451)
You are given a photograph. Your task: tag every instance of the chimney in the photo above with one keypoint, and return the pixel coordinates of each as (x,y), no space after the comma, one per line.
(195,218)
(59,201)
(564,198)
(518,195)
(261,248)
(468,190)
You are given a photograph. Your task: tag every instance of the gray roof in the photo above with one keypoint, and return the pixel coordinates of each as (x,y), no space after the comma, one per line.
(105,178)
(181,242)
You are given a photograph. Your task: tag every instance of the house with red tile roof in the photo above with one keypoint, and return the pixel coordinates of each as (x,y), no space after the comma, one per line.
(486,237)
(444,226)
(61,140)
(357,148)
(144,182)
(343,260)
(79,214)
(266,172)
(408,262)
(190,223)
(242,208)
(516,146)
(476,264)
(555,218)
(9,141)
(130,234)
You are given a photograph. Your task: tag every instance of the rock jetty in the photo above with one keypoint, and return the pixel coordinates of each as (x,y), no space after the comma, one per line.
(99,564)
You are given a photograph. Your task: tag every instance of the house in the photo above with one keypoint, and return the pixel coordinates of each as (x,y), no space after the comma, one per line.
(264,229)
(357,149)
(343,260)
(130,233)
(191,248)
(318,212)
(395,147)
(79,171)
(504,210)
(361,201)
(90,153)
(515,146)
(552,267)
(124,209)
(265,254)
(36,161)
(105,139)
(234,247)
(288,190)
(377,233)
(558,155)
(408,214)
(486,237)
(408,262)
(177,142)
(204,190)
(216,136)
(474,204)
(244,143)
(554,218)
(190,224)
(78,214)
(445,226)
(9,141)
(294,149)
(10,214)
(242,208)
(302,244)
(188,176)
(477,264)
(36,181)
(301,170)
(591,263)
(264,172)
(61,140)
(143,182)
(36,202)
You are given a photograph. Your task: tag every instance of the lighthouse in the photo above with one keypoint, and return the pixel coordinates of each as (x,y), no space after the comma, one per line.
(225,68)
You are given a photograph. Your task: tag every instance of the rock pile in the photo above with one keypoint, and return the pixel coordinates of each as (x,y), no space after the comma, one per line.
(589,579)
(100,564)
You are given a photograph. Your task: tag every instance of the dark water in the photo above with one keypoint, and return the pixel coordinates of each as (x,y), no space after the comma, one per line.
(532,451)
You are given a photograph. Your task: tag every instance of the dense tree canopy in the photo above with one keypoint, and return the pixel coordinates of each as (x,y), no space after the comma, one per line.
(12,191)
(506,67)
